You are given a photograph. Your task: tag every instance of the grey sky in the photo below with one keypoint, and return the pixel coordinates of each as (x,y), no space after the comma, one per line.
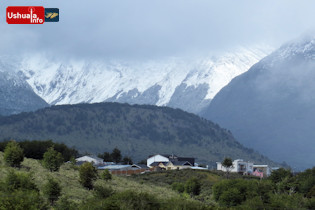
(154,28)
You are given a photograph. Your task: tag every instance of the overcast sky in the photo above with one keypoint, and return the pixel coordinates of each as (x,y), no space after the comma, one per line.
(139,29)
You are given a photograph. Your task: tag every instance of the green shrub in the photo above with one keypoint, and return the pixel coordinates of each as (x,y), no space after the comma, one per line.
(179,187)
(19,181)
(52,159)
(255,203)
(21,200)
(192,186)
(231,197)
(280,174)
(18,191)
(13,154)
(65,204)
(103,192)
(310,203)
(132,200)
(234,192)
(52,190)
(106,175)
(285,201)
(182,204)
(311,193)
(88,174)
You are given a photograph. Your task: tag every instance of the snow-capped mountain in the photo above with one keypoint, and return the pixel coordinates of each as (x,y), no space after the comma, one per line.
(271,107)
(16,95)
(189,84)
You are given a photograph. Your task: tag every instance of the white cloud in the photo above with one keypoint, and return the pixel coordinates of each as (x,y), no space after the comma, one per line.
(141,28)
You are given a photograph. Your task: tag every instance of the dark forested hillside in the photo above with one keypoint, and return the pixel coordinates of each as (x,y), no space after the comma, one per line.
(138,131)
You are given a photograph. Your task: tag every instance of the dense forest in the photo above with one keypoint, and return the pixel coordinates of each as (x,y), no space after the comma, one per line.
(137,130)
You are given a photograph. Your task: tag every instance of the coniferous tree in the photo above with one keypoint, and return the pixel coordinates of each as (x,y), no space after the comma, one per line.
(127,160)
(116,155)
(106,156)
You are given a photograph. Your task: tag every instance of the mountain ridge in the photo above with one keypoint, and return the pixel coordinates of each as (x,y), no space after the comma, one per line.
(164,82)
(137,130)
(270,107)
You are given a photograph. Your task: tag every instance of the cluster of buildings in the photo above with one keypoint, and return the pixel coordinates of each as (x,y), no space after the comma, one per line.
(160,162)
(154,163)
(171,162)
(114,168)
(247,168)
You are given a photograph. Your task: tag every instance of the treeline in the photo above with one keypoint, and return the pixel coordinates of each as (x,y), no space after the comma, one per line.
(116,157)
(35,149)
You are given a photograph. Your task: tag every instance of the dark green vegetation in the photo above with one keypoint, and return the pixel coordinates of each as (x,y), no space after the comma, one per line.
(106,175)
(282,190)
(36,149)
(52,159)
(228,164)
(34,187)
(31,186)
(137,130)
(88,174)
(52,190)
(271,107)
(116,157)
(13,154)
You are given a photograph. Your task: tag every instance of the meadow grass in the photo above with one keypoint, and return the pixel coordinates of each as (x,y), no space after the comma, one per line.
(68,177)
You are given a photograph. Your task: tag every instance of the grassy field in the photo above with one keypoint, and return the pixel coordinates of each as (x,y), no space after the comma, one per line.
(165,190)
(68,177)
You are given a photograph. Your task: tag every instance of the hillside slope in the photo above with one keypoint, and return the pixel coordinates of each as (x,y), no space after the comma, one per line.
(16,95)
(138,131)
(271,107)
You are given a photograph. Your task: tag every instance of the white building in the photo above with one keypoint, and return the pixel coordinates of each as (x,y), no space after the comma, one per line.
(264,169)
(170,162)
(239,166)
(157,158)
(90,159)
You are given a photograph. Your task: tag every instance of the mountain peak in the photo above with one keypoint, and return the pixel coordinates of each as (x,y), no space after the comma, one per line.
(164,82)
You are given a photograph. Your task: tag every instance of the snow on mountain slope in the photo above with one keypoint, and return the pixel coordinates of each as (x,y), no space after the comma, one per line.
(189,84)
(271,107)
(16,95)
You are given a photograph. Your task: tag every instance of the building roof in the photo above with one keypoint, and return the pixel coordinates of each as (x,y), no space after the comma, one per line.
(180,163)
(90,156)
(198,168)
(189,159)
(262,166)
(115,167)
(172,156)
(158,163)
(143,166)
(164,155)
